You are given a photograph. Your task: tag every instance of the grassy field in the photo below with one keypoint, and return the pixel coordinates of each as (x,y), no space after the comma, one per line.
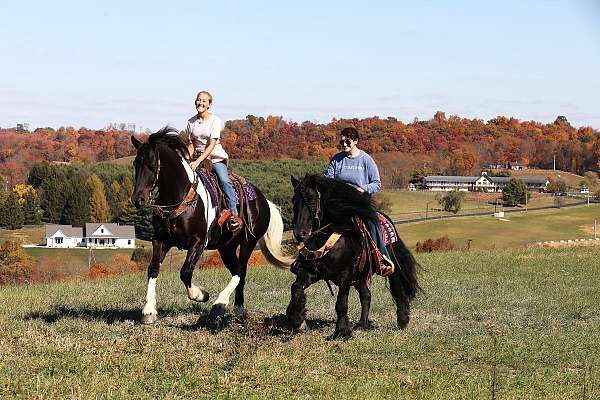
(516,230)
(521,324)
(412,205)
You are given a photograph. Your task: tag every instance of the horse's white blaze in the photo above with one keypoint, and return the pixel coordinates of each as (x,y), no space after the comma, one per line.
(150,306)
(210,209)
(226,293)
(195,293)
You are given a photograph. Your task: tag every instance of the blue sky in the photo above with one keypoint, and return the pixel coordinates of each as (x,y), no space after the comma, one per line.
(71,63)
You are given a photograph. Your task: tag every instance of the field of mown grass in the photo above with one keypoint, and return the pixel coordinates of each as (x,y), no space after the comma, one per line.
(515,230)
(521,324)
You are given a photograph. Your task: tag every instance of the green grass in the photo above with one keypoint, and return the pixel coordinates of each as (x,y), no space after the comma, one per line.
(80,339)
(516,230)
(407,205)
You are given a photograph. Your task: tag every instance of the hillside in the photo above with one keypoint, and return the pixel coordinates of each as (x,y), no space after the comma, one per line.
(529,319)
(572,180)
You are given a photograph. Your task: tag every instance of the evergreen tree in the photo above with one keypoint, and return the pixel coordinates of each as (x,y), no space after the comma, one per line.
(12,213)
(143,225)
(76,211)
(98,206)
(31,209)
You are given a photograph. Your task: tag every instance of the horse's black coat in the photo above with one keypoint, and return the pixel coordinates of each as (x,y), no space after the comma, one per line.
(158,164)
(323,206)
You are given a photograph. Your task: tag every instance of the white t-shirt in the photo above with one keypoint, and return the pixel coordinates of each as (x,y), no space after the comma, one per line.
(200,131)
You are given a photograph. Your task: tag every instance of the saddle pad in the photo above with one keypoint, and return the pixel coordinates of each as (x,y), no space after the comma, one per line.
(387,230)
(209,184)
(249,191)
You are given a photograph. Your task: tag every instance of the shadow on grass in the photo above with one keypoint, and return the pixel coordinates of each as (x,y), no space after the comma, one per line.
(108,315)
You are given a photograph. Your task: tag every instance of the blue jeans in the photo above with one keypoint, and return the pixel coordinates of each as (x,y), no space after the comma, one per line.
(375,231)
(220,169)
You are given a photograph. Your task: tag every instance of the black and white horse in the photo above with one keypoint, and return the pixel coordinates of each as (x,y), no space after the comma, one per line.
(323,222)
(186,218)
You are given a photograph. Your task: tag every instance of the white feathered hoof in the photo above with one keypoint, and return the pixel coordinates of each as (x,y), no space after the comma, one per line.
(148,319)
(303,327)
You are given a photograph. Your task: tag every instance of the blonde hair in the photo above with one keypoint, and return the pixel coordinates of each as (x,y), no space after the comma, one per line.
(210,98)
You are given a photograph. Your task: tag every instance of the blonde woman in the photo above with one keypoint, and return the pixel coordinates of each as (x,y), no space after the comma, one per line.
(203,132)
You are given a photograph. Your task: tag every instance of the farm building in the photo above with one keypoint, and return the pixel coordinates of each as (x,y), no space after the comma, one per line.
(482,182)
(93,235)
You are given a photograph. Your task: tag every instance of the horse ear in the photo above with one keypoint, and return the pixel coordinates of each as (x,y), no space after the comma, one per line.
(136,142)
(295,182)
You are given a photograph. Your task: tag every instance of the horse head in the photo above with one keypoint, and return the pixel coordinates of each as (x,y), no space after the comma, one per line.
(147,168)
(307,208)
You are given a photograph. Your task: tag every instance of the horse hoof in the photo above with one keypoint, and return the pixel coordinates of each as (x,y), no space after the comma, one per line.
(149,319)
(239,312)
(340,335)
(364,326)
(198,294)
(303,327)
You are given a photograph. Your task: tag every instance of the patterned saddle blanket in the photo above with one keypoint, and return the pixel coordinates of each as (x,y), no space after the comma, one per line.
(211,183)
(388,231)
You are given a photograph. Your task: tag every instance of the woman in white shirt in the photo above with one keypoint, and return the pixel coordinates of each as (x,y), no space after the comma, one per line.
(203,132)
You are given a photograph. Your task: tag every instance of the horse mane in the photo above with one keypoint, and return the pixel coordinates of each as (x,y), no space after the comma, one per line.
(169,137)
(341,201)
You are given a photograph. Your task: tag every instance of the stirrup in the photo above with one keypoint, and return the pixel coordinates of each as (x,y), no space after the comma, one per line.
(387,265)
(234,223)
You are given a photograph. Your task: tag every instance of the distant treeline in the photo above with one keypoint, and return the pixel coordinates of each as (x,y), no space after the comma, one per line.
(80,193)
(451,145)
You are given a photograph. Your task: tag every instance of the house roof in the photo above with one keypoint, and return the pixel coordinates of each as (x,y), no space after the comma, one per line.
(443,178)
(67,230)
(116,230)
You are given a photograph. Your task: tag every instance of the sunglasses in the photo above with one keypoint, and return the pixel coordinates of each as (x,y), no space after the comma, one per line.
(346,142)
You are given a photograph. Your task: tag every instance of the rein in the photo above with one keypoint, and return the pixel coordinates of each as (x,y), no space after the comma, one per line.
(179,207)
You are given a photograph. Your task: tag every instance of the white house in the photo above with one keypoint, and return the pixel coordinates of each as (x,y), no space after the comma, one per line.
(483,182)
(63,236)
(94,235)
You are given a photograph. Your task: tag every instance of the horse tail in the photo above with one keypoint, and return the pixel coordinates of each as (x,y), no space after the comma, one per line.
(403,282)
(270,243)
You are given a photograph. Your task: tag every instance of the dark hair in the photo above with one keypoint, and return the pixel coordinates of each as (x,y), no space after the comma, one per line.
(350,133)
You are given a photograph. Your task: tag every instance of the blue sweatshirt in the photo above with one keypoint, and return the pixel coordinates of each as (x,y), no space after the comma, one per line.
(359,171)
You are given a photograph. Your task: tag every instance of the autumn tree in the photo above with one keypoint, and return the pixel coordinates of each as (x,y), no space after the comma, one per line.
(98,206)
(31,209)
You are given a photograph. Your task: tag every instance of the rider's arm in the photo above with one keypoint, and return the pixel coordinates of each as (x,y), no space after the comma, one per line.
(374,184)
(211,145)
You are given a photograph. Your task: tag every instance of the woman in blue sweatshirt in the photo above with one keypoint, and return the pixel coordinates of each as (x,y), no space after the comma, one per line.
(357,168)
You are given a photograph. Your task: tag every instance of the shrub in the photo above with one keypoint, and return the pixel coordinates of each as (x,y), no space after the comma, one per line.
(141,256)
(439,244)
(16,267)
(452,201)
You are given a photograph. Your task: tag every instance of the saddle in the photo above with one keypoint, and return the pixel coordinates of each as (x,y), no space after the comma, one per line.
(244,193)
(370,259)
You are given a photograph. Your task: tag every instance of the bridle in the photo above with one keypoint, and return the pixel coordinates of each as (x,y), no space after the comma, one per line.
(177,208)
(316,211)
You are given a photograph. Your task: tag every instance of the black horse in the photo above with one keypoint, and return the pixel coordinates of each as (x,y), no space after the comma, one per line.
(185,216)
(322,207)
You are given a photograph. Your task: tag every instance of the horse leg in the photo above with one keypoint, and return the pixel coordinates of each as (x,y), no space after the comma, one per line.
(159,251)
(187,270)
(365,305)
(296,310)
(342,325)
(237,267)
(240,267)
